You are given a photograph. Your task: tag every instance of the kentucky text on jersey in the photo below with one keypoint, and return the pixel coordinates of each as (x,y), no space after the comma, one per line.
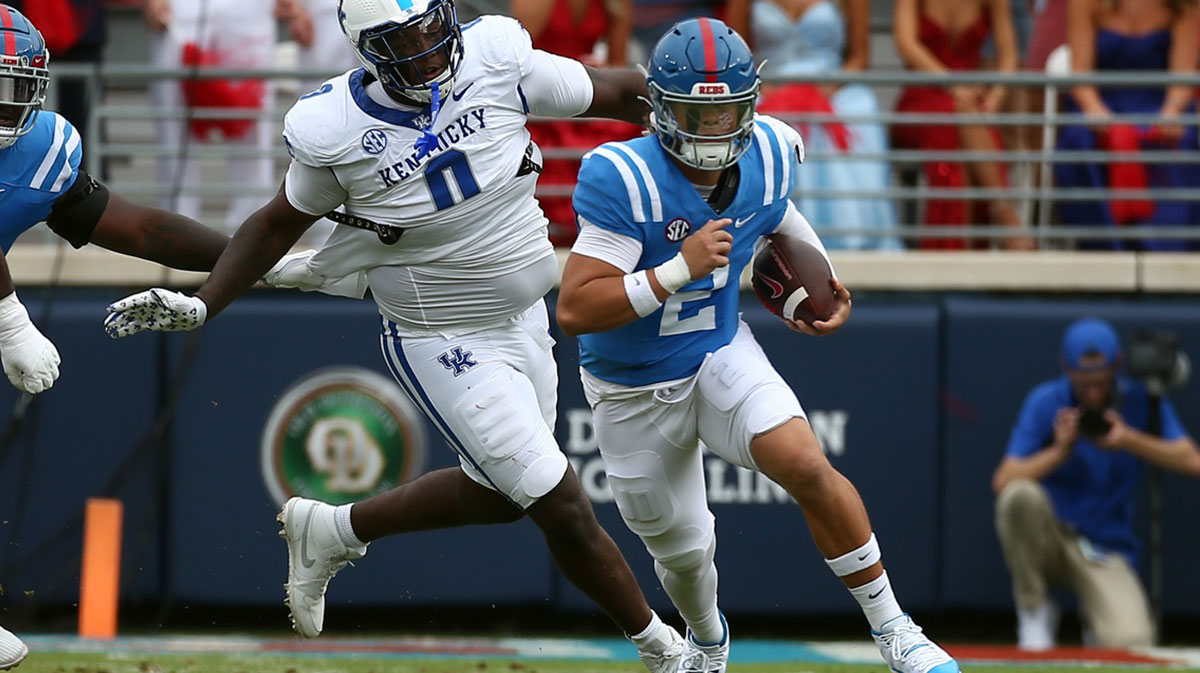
(467,125)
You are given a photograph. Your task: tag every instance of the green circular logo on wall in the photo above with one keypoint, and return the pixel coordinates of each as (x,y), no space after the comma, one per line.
(341,435)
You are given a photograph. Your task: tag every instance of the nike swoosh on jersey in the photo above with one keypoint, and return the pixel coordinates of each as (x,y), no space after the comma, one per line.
(459,93)
(742,220)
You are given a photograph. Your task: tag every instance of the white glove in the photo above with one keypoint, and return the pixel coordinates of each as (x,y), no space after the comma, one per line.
(30,359)
(158,310)
(295,270)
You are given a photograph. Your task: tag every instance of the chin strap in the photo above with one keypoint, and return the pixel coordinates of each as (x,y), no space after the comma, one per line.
(428,142)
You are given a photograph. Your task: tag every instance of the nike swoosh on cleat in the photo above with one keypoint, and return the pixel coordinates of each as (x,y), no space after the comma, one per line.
(305,559)
(456,95)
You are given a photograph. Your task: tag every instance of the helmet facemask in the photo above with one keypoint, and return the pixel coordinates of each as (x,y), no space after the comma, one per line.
(409,58)
(22,92)
(709,131)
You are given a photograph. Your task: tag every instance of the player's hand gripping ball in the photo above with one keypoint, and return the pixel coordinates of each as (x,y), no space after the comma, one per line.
(792,279)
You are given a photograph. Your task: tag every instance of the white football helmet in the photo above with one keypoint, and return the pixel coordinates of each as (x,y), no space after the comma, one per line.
(408,45)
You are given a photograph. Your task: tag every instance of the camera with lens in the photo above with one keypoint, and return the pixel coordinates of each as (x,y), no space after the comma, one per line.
(1155,358)
(1093,424)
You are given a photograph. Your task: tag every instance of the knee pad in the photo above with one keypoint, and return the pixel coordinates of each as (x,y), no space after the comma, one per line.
(696,557)
(644,502)
(508,437)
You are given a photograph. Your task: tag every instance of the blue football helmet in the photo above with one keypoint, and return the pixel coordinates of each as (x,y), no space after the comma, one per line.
(408,45)
(703,87)
(24,75)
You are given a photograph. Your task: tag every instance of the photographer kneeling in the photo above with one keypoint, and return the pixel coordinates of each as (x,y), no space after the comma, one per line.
(1066,487)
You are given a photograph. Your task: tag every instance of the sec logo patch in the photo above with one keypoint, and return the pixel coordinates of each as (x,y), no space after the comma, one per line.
(678,229)
(374,141)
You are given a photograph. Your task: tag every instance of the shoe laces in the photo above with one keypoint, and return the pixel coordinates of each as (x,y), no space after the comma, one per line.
(906,642)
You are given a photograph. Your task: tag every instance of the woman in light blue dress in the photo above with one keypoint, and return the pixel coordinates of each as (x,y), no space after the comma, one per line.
(798,38)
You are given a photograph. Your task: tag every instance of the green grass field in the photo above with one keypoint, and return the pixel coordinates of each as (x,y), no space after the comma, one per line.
(52,662)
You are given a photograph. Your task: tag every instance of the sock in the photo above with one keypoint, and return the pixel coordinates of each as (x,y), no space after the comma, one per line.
(345,530)
(653,639)
(710,632)
(877,601)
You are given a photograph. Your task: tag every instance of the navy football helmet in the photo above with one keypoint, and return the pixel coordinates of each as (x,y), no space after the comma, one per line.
(24,76)
(703,86)
(408,45)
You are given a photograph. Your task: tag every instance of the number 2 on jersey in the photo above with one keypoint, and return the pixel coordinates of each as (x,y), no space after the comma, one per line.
(705,318)
(450,179)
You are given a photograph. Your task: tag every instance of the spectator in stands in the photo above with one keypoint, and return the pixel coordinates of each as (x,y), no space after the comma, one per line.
(940,36)
(653,18)
(1049,32)
(797,38)
(585,30)
(75,32)
(1064,512)
(228,34)
(328,49)
(1123,35)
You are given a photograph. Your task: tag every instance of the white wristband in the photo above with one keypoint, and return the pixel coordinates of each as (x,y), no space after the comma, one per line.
(673,273)
(13,315)
(641,295)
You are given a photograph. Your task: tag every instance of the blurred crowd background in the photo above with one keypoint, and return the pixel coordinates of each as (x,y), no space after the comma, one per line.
(932,124)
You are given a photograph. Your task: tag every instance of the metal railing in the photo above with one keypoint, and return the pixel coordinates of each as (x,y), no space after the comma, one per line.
(1031,193)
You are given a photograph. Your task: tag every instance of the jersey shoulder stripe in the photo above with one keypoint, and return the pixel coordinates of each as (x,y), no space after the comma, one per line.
(791,147)
(656,208)
(55,147)
(769,153)
(625,170)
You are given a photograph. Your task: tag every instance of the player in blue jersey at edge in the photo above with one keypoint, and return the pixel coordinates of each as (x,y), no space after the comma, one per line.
(667,223)
(41,180)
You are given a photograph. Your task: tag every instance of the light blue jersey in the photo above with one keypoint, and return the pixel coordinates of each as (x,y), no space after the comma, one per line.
(634,189)
(34,172)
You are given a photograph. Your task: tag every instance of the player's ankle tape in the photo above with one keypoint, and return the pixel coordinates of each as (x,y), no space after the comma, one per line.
(860,559)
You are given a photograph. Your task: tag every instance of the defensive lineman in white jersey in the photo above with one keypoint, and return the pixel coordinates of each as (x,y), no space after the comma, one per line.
(426,151)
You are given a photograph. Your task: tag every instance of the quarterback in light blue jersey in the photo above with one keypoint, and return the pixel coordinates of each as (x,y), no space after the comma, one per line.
(41,180)
(667,223)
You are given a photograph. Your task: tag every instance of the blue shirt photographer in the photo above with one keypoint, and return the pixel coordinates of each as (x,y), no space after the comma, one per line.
(1093,490)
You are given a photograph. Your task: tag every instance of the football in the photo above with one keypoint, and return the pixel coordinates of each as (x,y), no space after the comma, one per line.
(791,278)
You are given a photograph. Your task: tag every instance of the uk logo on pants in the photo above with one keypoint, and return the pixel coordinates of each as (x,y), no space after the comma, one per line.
(457,360)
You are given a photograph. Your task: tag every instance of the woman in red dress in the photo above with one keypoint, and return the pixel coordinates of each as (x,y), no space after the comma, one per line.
(572,28)
(940,36)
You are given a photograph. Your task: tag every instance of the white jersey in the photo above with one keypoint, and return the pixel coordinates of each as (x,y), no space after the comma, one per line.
(474,250)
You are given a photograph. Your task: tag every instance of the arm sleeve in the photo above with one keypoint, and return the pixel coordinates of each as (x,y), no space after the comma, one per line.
(556,86)
(794,224)
(77,211)
(619,250)
(1034,426)
(314,191)
(1172,429)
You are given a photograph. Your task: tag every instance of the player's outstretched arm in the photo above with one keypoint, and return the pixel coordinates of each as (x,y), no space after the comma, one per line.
(30,359)
(88,212)
(260,242)
(158,235)
(618,94)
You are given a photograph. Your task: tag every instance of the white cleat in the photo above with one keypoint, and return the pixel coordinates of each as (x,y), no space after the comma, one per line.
(12,650)
(669,652)
(315,554)
(699,658)
(907,650)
